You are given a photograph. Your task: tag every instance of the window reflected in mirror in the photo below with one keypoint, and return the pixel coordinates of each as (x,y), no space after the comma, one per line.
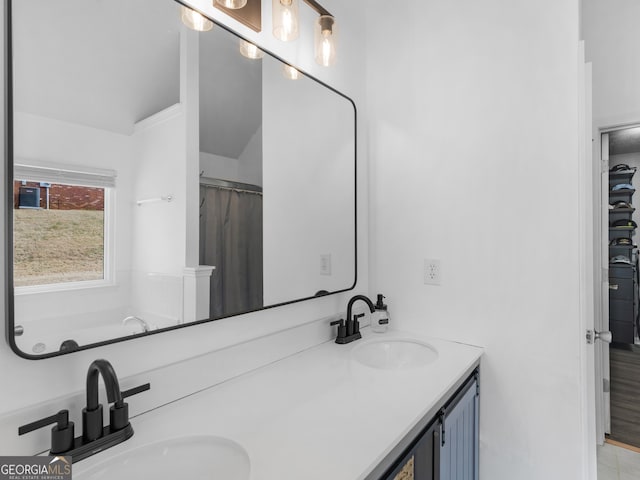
(58,233)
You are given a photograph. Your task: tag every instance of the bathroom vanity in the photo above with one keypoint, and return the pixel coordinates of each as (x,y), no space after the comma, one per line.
(368,410)
(448,447)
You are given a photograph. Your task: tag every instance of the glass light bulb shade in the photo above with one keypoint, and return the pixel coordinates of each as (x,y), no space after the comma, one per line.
(194,20)
(249,50)
(232,4)
(285,19)
(325,40)
(290,72)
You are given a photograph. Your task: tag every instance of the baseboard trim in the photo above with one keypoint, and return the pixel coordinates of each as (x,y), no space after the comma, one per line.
(622,445)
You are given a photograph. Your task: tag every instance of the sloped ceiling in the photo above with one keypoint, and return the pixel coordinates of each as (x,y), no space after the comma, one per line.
(104,64)
(230,95)
(111,63)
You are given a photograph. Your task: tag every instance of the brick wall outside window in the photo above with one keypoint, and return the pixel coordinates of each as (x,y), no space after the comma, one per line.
(64,197)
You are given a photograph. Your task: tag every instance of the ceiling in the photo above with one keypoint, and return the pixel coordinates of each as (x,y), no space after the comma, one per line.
(230,95)
(624,141)
(108,64)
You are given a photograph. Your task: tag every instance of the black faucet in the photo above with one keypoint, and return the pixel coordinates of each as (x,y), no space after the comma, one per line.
(92,414)
(350,330)
(95,437)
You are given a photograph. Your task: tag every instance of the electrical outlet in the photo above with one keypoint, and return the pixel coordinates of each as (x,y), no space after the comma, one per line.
(432,272)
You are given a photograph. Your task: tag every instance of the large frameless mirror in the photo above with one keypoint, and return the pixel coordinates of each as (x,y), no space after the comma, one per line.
(160,177)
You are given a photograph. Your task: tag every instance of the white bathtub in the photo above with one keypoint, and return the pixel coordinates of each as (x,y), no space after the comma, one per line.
(47,335)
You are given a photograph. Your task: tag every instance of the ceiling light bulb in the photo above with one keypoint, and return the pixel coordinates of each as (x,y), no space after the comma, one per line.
(285,19)
(232,4)
(249,50)
(194,20)
(325,40)
(290,72)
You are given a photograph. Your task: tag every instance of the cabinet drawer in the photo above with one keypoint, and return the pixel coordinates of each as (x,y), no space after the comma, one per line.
(619,215)
(621,271)
(621,332)
(621,310)
(620,233)
(626,250)
(621,288)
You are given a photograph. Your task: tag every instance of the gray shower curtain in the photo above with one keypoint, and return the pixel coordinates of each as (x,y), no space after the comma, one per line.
(231,240)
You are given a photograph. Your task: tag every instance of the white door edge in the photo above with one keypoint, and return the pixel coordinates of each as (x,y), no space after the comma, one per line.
(586,270)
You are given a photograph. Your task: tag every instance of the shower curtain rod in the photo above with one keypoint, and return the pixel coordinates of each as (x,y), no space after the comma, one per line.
(228,185)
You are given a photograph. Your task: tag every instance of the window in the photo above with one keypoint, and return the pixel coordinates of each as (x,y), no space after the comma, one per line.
(61,233)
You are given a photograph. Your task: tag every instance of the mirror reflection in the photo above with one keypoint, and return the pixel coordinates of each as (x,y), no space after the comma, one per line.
(163,176)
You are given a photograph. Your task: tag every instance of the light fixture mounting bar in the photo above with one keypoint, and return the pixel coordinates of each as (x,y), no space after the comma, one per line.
(250,15)
(317,7)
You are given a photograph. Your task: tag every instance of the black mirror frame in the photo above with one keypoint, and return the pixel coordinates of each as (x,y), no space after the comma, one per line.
(8,210)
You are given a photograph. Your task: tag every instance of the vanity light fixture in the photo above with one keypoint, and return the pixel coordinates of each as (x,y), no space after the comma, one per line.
(285,19)
(325,41)
(290,72)
(194,20)
(249,50)
(232,4)
(285,28)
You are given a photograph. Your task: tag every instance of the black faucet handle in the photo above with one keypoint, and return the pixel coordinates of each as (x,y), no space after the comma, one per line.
(61,418)
(119,411)
(136,390)
(342,330)
(61,434)
(356,323)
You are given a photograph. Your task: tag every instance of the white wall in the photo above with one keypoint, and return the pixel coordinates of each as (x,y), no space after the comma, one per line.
(158,248)
(159,170)
(631,159)
(28,382)
(251,159)
(612,43)
(303,219)
(231,169)
(247,168)
(474,159)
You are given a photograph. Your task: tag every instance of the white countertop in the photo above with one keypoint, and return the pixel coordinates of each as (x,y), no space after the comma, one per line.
(316,415)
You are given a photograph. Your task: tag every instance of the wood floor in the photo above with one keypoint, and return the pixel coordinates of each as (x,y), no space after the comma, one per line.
(625,395)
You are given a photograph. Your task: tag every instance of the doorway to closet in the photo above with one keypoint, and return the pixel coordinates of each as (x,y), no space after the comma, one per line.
(621,153)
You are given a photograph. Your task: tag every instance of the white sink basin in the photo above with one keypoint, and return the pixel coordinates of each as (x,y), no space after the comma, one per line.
(195,457)
(394,354)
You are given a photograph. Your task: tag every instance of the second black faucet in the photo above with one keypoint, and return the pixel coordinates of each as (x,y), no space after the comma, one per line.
(350,330)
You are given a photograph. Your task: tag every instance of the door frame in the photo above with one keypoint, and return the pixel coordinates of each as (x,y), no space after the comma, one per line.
(601,263)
